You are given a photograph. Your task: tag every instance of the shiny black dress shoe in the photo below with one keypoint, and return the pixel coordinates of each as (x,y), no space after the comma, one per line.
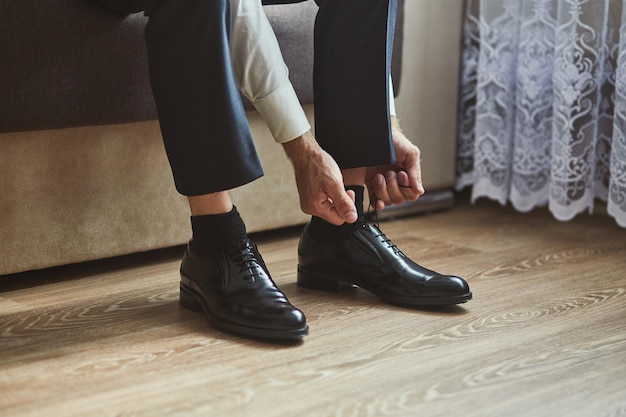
(237,294)
(369,260)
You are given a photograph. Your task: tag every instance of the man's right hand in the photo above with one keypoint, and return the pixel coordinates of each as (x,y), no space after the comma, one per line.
(319,181)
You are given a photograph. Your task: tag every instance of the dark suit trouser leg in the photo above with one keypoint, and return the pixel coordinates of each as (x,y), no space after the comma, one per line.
(353,42)
(203,122)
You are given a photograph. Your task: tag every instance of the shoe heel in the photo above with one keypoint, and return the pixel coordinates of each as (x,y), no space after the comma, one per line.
(187,300)
(317,281)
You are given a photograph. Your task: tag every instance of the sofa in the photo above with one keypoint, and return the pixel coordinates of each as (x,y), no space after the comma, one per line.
(84,174)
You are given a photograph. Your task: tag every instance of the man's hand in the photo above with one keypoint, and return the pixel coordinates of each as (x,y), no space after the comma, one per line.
(319,181)
(400,182)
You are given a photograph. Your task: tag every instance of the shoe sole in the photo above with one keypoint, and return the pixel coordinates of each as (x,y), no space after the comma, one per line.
(324,281)
(191,300)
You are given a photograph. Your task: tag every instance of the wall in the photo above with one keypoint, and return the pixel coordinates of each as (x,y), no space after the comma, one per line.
(427,103)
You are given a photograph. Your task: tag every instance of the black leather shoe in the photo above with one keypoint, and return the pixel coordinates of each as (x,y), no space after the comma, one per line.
(369,260)
(237,294)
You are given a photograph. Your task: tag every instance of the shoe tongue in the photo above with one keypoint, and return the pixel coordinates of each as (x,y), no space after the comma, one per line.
(240,245)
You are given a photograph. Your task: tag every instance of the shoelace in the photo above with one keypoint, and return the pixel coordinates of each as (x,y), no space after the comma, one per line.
(372,206)
(380,235)
(249,266)
(385,240)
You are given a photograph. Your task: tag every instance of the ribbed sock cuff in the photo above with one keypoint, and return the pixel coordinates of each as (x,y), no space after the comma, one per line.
(215,232)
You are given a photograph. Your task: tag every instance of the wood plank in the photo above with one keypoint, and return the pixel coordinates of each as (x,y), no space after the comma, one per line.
(545,334)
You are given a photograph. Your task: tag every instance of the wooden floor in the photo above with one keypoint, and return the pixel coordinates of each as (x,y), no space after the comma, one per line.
(544,336)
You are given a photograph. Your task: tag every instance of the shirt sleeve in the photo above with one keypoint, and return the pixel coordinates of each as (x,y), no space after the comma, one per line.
(262,75)
(392,98)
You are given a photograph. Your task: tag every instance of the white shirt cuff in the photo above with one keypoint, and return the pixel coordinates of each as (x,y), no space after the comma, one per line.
(392,99)
(283,114)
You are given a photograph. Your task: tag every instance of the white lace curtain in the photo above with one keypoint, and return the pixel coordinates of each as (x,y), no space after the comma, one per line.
(543,104)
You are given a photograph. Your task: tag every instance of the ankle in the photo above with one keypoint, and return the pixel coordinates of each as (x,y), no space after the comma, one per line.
(215,232)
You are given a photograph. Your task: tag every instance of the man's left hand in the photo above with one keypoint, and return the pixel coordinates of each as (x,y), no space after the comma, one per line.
(400,182)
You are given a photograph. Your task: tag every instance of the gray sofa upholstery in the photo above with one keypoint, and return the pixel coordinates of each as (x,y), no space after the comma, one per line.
(67,63)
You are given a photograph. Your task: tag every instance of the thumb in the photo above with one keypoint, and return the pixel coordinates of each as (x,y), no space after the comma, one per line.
(343,202)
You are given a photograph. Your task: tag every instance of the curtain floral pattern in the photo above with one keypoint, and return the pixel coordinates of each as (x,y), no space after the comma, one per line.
(542,117)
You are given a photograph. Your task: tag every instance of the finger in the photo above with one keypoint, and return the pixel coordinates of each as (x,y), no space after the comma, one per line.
(403,179)
(326,211)
(406,189)
(379,204)
(319,205)
(335,204)
(352,196)
(343,205)
(393,188)
(380,189)
(414,173)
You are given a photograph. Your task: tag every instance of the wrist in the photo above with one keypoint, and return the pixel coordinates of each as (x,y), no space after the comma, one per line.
(301,147)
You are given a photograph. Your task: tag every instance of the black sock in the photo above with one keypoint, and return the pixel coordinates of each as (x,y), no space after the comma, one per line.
(216,232)
(323,231)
